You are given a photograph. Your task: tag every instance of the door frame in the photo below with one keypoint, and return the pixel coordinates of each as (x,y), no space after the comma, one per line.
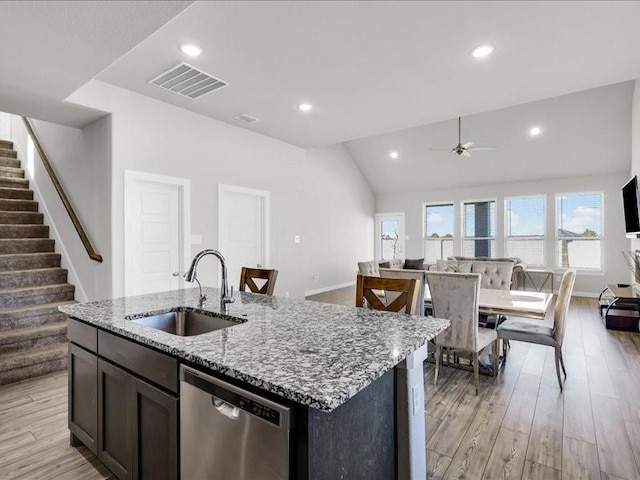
(377,233)
(266,210)
(184,223)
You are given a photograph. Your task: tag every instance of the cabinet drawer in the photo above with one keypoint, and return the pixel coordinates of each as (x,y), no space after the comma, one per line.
(82,334)
(154,366)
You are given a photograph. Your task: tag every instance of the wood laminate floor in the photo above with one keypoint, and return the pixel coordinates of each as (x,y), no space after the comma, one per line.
(519,427)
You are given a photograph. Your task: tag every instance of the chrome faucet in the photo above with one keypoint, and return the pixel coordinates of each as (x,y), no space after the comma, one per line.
(190,276)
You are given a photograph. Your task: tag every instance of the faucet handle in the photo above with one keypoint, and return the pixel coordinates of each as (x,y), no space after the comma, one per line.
(230,298)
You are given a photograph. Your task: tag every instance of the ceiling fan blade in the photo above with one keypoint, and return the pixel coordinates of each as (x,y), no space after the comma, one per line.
(440,149)
(465,154)
(467,145)
(482,148)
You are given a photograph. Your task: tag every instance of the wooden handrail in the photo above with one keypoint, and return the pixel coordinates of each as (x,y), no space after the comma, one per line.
(63,196)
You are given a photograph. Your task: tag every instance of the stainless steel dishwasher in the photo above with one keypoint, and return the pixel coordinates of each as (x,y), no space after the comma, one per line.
(227,433)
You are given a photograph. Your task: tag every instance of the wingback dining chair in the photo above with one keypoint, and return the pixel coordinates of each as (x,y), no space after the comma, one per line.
(248,277)
(526,331)
(405,301)
(454,297)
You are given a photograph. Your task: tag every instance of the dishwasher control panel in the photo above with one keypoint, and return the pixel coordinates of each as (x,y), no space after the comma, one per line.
(257,407)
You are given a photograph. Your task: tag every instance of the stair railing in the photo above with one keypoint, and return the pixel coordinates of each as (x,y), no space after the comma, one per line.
(63,196)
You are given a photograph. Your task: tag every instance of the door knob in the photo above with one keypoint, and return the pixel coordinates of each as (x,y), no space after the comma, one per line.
(175,274)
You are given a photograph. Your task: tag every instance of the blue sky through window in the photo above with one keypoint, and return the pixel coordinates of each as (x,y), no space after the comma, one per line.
(576,213)
(439,220)
(525,217)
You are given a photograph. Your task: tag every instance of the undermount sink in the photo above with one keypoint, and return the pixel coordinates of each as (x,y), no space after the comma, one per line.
(186,322)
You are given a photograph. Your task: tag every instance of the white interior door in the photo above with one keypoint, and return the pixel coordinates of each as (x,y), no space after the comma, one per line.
(243,230)
(154,233)
(389,235)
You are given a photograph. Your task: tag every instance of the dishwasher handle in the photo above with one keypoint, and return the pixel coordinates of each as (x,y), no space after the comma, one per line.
(230,400)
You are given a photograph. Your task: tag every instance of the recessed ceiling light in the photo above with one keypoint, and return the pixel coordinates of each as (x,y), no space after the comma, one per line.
(305,107)
(191,49)
(482,51)
(393,155)
(535,131)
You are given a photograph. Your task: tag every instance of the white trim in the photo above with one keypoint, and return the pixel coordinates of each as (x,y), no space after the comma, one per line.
(184,188)
(585,294)
(266,228)
(329,288)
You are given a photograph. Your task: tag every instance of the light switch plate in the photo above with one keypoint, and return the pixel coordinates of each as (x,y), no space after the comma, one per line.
(296,239)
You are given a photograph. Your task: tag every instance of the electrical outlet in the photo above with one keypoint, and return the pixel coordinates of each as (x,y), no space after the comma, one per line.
(415,402)
(296,239)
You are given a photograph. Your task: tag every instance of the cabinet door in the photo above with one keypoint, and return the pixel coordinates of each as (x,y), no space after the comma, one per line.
(83,396)
(115,405)
(155,421)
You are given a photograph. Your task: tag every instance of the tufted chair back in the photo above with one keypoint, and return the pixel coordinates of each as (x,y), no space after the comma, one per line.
(495,275)
(455,297)
(369,269)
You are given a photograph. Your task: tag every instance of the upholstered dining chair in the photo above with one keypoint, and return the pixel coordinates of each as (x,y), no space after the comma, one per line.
(454,297)
(248,277)
(405,302)
(528,331)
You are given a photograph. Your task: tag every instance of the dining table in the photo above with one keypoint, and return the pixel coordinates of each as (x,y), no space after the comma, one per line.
(510,303)
(514,303)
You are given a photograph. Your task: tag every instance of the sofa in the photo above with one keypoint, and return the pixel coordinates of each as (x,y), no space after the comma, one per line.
(502,276)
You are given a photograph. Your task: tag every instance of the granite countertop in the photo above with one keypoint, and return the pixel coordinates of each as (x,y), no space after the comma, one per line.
(313,353)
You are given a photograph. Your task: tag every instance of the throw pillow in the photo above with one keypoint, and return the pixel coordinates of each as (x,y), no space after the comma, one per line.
(416,264)
(384,265)
(453,266)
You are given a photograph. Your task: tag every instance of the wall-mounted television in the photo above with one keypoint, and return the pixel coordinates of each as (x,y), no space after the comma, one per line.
(631,202)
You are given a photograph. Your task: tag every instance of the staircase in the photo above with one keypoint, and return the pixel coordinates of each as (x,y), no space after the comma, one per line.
(32,284)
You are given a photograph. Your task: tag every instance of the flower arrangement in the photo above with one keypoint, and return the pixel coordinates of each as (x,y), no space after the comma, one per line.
(633,262)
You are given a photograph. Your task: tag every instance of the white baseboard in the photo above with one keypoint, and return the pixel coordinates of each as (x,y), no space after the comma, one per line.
(585,294)
(328,289)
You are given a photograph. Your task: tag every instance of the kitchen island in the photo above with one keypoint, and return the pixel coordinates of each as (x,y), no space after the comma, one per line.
(352,379)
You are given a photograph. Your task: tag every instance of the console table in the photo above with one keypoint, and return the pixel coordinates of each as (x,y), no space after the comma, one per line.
(547,278)
(621,306)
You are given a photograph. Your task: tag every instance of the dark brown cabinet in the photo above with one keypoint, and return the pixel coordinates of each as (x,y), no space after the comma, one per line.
(115,394)
(83,396)
(130,424)
(155,433)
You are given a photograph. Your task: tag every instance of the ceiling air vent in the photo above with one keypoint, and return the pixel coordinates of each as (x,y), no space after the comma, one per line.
(243,117)
(187,81)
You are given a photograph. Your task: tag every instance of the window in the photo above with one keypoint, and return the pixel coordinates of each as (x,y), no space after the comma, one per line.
(390,235)
(479,229)
(524,218)
(438,231)
(579,230)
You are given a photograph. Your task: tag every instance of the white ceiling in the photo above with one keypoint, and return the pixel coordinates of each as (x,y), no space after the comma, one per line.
(376,67)
(584,133)
(50,49)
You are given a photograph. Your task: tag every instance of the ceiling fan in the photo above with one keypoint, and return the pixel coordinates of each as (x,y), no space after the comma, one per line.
(462,148)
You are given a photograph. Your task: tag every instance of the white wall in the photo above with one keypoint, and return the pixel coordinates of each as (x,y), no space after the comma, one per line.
(155,137)
(338,229)
(81,160)
(613,264)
